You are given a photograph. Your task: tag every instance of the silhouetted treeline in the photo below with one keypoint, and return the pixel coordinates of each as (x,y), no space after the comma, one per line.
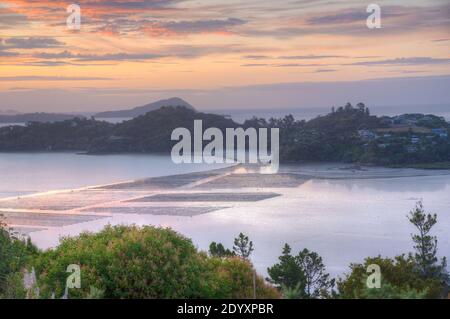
(347,134)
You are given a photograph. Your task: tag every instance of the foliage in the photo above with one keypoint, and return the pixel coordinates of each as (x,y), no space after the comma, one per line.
(218,250)
(95,293)
(232,278)
(426,244)
(124,262)
(243,246)
(291,293)
(303,273)
(287,272)
(399,274)
(317,281)
(15,252)
(147,262)
(411,276)
(387,291)
(332,137)
(75,134)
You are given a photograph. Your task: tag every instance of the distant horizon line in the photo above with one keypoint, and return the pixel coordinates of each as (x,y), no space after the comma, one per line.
(211,109)
(313,111)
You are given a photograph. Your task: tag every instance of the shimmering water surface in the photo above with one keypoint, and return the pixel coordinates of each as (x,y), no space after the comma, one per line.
(26,173)
(343,215)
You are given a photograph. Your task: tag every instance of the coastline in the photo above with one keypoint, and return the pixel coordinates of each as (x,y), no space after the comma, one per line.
(364,209)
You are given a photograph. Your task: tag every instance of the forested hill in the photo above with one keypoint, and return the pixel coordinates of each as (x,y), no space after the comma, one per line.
(347,134)
(141,110)
(146,133)
(35,117)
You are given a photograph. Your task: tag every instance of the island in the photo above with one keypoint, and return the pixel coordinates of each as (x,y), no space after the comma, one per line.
(348,134)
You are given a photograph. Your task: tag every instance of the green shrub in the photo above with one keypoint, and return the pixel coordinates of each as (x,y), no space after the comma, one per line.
(399,275)
(232,278)
(143,262)
(15,252)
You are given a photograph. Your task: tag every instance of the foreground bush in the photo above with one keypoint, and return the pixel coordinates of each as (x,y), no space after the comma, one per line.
(233,278)
(399,281)
(147,262)
(14,254)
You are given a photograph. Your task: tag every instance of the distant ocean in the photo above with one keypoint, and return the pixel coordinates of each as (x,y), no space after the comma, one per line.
(240,115)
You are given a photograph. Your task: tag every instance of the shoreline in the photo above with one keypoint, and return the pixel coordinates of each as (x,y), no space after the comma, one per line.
(330,171)
(216,205)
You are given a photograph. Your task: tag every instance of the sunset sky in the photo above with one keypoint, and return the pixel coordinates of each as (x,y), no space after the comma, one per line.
(222,53)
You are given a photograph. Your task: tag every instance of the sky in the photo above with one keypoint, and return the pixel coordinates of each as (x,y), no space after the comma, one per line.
(222,54)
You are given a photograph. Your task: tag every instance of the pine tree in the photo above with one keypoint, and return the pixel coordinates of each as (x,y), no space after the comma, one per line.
(218,250)
(301,276)
(288,275)
(243,247)
(317,281)
(425,244)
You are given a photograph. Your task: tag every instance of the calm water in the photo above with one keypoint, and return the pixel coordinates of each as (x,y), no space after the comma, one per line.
(25,173)
(344,220)
(304,113)
(307,113)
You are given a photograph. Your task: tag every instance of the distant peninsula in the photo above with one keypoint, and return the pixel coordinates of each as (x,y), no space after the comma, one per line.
(347,134)
(36,117)
(9,116)
(141,110)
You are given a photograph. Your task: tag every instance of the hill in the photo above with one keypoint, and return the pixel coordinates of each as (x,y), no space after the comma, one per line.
(141,110)
(8,112)
(146,133)
(35,117)
(152,132)
(347,134)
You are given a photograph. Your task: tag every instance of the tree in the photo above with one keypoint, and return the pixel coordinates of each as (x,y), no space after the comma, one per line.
(406,276)
(235,278)
(15,252)
(398,274)
(426,244)
(145,262)
(387,291)
(317,281)
(304,274)
(218,250)
(243,247)
(287,274)
(361,107)
(291,293)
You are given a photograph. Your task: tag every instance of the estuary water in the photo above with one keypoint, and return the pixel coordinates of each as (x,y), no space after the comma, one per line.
(343,216)
(27,173)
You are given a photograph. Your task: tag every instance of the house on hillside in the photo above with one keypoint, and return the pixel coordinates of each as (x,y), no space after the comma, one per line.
(367,135)
(442,133)
(405,119)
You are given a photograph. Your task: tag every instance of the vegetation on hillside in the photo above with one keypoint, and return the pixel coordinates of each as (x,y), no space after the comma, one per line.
(347,134)
(415,275)
(143,262)
(15,254)
(149,262)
